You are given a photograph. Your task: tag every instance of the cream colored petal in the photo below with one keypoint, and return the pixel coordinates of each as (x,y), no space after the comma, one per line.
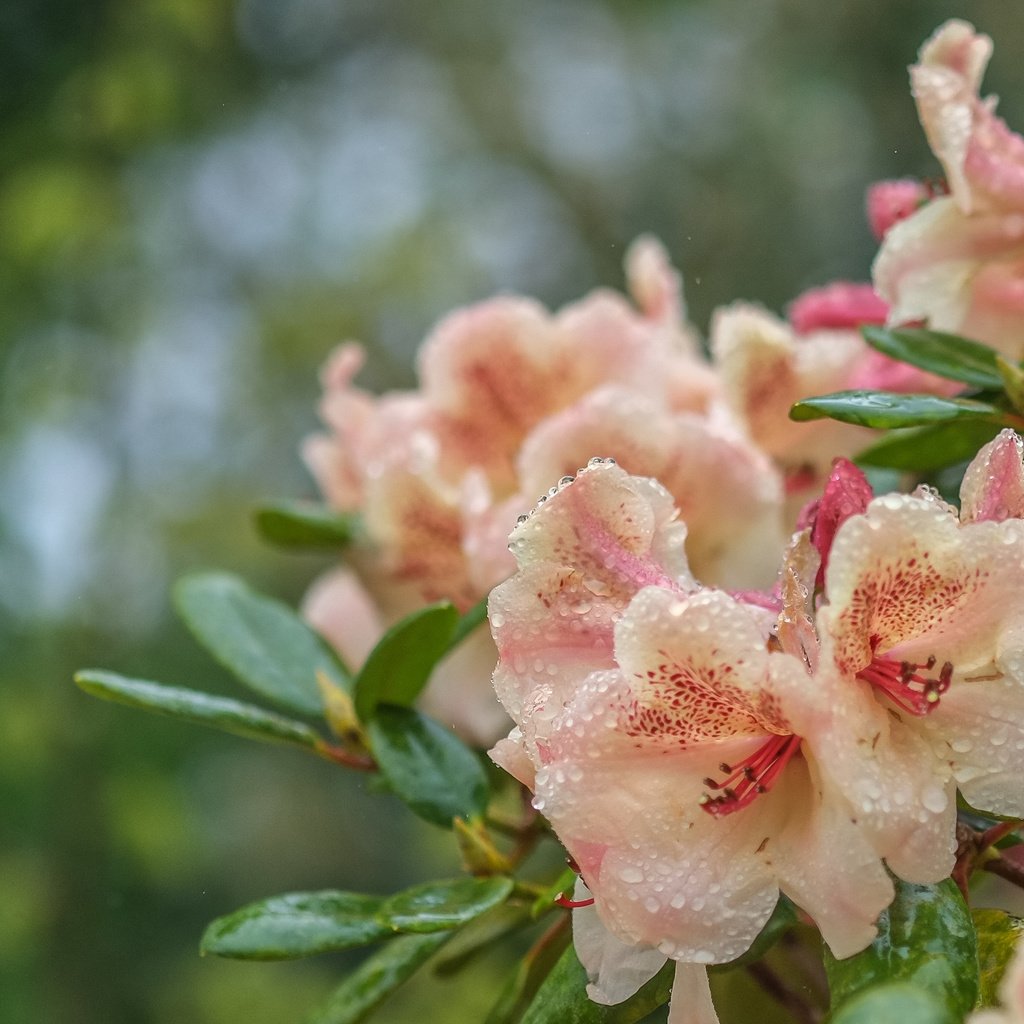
(615,970)
(338,606)
(691,997)
(993,484)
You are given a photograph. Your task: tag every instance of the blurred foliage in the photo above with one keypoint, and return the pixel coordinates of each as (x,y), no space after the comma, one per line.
(198,199)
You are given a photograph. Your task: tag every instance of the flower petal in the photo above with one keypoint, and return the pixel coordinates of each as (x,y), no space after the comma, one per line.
(993,484)
(691,997)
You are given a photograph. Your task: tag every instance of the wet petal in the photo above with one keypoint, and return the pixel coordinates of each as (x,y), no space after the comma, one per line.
(993,485)
(691,997)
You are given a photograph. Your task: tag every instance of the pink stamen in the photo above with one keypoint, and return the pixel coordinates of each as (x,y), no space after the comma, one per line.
(903,683)
(748,779)
(569,904)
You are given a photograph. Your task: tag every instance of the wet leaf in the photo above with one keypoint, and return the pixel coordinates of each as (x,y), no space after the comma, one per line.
(201,708)
(377,977)
(895,1002)
(926,449)
(295,925)
(926,940)
(427,766)
(883,409)
(262,641)
(441,906)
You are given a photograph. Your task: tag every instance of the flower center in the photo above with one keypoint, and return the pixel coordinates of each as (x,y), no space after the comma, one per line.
(904,683)
(748,779)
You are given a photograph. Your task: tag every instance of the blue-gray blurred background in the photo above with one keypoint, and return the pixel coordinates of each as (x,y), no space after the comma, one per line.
(198,198)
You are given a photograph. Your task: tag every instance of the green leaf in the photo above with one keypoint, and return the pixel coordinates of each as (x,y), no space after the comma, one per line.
(895,1002)
(882,409)
(201,708)
(399,666)
(427,766)
(562,998)
(926,449)
(926,939)
(306,524)
(1013,382)
(783,917)
(998,936)
(377,977)
(480,934)
(297,924)
(947,355)
(441,906)
(521,988)
(262,641)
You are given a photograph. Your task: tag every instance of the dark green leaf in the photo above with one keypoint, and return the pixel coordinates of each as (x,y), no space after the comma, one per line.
(783,917)
(297,924)
(305,524)
(562,998)
(441,906)
(262,641)
(480,934)
(399,666)
(883,410)
(427,766)
(926,449)
(201,708)
(376,978)
(926,939)
(998,936)
(895,1002)
(521,988)
(947,355)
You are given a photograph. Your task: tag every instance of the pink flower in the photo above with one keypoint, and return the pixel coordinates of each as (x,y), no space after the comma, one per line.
(889,202)
(669,740)
(958,262)
(920,627)
(511,399)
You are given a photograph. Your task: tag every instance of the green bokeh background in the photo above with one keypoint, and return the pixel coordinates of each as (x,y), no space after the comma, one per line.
(198,199)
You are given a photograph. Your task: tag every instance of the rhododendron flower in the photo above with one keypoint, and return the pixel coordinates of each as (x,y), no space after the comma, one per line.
(670,740)
(1011,995)
(958,262)
(767,365)
(512,398)
(920,622)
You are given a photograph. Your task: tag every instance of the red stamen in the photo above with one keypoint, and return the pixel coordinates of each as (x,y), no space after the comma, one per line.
(749,778)
(905,686)
(564,901)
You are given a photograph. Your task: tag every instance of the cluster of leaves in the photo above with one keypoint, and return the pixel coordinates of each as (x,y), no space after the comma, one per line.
(932,962)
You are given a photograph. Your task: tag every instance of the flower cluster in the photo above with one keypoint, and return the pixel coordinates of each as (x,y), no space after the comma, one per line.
(698,752)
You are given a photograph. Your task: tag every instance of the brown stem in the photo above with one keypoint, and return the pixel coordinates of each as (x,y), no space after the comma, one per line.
(338,755)
(799,1010)
(1005,869)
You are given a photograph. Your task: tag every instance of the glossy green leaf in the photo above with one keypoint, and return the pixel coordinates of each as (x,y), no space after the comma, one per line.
(441,906)
(200,708)
(998,936)
(895,1002)
(398,668)
(427,766)
(305,524)
(883,409)
(926,449)
(926,939)
(297,924)
(262,641)
(562,998)
(377,977)
(947,355)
